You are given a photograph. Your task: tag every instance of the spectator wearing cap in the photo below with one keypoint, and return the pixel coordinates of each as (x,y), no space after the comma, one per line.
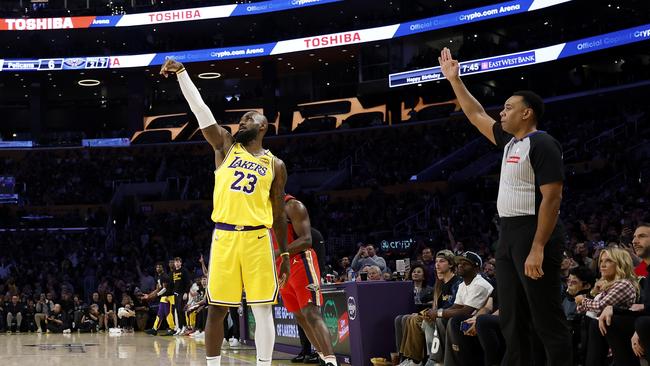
(420,330)
(444,294)
(472,294)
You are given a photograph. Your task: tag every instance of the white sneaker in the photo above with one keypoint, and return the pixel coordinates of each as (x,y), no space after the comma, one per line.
(234,342)
(408,362)
(39,330)
(66,331)
(225,343)
(200,335)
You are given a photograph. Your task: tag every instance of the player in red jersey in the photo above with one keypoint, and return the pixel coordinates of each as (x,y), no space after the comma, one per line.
(302,294)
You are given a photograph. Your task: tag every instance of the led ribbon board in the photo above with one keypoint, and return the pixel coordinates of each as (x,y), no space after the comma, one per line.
(532,57)
(153,18)
(282,47)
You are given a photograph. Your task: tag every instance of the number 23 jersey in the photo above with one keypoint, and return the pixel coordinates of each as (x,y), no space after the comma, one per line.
(242,186)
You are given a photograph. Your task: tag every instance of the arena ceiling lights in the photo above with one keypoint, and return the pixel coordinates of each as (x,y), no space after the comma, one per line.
(88,82)
(209,75)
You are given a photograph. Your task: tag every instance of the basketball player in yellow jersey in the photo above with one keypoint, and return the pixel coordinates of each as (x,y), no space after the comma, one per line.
(248,202)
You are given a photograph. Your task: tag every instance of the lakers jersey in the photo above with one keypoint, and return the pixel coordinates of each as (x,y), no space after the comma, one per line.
(242,187)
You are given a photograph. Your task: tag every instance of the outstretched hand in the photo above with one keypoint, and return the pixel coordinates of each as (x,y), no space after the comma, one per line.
(170,66)
(448,65)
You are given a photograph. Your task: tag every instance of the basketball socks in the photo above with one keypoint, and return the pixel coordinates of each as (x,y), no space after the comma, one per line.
(330,360)
(264,333)
(214,360)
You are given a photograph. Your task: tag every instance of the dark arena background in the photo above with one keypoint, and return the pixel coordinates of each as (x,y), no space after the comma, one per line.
(104,173)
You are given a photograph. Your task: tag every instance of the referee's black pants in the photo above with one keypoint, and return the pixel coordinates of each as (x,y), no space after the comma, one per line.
(619,336)
(527,305)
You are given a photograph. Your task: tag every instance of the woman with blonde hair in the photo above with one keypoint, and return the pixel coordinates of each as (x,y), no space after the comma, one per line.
(618,286)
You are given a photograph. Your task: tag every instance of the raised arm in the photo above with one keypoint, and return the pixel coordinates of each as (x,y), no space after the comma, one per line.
(280,217)
(297,213)
(203,267)
(471,107)
(217,136)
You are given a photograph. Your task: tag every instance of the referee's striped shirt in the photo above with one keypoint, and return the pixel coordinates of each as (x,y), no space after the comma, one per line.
(527,164)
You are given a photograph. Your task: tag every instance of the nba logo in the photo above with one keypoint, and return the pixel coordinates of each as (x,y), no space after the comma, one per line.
(484,65)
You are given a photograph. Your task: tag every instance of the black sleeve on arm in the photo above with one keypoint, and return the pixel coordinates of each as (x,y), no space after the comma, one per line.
(546,159)
(501,137)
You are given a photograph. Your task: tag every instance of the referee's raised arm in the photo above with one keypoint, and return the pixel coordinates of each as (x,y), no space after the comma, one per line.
(471,107)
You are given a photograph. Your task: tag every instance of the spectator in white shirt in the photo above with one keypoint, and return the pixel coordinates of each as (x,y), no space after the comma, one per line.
(472,294)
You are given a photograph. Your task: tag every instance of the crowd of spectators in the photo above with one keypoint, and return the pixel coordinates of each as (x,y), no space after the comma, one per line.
(96,279)
(76,176)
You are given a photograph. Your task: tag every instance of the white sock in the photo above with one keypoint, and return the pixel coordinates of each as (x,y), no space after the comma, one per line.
(264,333)
(330,359)
(214,360)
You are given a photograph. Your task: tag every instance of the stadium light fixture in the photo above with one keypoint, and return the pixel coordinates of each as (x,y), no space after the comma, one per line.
(88,82)
(209,75)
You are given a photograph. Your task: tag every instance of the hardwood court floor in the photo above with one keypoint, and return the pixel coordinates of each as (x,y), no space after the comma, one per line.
(27,349)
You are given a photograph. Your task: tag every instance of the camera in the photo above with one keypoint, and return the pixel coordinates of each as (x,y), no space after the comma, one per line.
(364,276)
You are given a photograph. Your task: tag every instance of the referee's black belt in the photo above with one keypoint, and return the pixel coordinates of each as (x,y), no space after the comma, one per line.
(229,227)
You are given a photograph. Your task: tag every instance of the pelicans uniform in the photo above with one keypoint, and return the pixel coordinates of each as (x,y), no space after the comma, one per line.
(241,255)
(303,285)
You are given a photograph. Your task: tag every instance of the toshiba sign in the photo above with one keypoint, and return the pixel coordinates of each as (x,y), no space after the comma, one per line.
(174,16)
(38,24)
(332,40)
(46,23)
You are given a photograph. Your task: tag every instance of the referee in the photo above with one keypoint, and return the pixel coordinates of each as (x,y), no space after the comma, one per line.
(531,238)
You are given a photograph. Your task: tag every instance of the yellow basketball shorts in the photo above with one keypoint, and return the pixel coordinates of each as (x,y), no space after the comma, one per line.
(242,260)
